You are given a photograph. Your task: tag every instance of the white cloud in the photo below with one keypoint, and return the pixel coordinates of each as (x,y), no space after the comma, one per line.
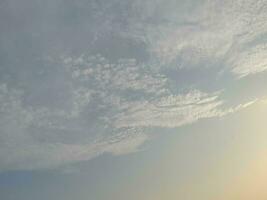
(250,61)
(21,148)
(224,32)
(111,106)
(171,111)
(89,105)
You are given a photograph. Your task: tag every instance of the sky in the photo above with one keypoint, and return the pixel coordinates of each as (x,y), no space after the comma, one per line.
(131,99)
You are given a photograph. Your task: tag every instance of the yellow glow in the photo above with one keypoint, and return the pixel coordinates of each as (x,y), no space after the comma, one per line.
(253,182)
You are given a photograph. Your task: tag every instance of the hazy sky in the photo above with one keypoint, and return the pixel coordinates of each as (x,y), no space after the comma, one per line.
(133,99)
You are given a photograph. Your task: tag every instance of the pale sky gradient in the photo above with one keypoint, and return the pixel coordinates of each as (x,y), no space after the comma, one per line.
(133,99)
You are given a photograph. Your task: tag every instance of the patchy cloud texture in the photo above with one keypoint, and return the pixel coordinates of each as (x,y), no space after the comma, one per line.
(79,79)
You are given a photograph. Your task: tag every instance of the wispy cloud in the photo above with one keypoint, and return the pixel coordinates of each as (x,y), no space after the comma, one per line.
(250,61)
(110,106)
(170,111)
(229,33)
(68,99)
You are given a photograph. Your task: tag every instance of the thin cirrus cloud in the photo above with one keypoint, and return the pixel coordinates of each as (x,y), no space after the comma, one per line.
(65,99)
(100,117)
(231,33)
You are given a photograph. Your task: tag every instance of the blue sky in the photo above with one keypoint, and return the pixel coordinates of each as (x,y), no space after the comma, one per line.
(92,92)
